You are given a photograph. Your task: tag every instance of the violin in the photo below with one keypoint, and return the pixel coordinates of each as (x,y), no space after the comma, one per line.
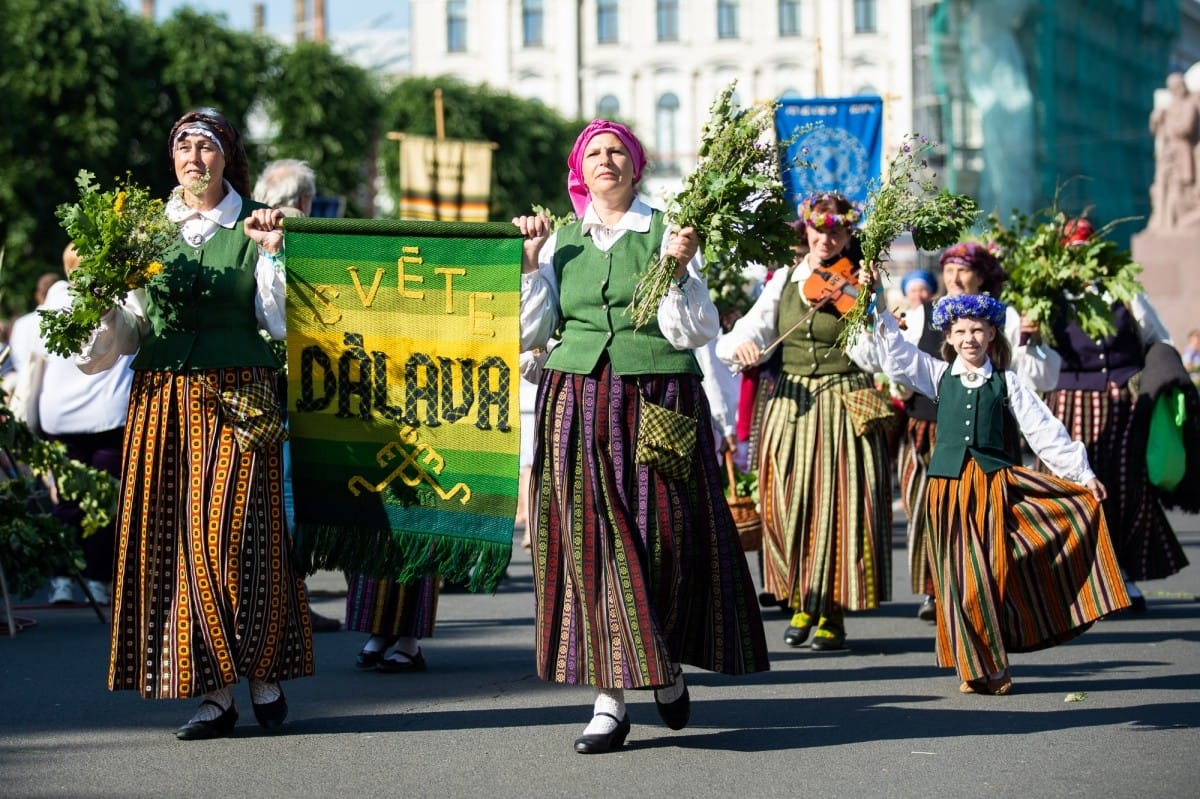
(836,285)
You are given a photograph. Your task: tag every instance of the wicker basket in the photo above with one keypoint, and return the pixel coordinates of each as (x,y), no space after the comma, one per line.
(745,515)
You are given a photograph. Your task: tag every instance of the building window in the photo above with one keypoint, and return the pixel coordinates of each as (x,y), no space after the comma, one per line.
(668,20)
(727,19)
(864,16)
(666,123)
(789,18)
(456,26)
(532,16)
(606,21)
(609,107)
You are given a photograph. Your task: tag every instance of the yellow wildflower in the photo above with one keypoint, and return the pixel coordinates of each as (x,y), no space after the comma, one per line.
(119,203)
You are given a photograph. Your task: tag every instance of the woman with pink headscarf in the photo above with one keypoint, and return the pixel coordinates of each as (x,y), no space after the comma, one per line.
(636,572)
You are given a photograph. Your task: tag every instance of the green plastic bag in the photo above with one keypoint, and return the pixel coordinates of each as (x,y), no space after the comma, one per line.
(1166,459)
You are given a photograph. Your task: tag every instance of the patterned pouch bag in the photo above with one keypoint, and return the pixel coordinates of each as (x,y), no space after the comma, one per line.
(666,440)
(870,410)
(253,412)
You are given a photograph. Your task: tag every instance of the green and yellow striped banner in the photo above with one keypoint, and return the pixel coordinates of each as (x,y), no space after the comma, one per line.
(402,396)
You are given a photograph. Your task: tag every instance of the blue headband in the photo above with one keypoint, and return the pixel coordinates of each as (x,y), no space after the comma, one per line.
(976,306)
(918,275)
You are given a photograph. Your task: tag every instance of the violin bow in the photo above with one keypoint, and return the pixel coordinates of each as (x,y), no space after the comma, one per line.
(737,367)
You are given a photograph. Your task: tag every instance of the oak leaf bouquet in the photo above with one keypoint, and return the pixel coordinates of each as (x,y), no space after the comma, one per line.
(735,201)
(1057,264)
(120,236)
(906,199)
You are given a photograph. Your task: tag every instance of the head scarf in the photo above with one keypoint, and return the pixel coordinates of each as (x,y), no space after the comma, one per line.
(918,276)
(580,196)
(980,260)
(976,306)
(212,123)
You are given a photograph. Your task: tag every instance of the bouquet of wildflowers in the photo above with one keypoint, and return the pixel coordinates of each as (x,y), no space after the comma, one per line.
(735,201)
(120,236)
(1057,264)
(906,199)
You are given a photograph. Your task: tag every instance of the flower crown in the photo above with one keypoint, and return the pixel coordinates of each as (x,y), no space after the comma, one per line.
(826,220)
(977,306)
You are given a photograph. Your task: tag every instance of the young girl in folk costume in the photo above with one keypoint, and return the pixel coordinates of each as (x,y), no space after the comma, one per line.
(1021,560)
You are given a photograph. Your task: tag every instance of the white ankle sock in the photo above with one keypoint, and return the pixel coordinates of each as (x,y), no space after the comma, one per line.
(264,693)
(206,712)
(612,702)
(377,643)
(674,690)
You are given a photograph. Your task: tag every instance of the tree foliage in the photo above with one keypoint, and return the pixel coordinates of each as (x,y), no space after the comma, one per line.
(530,163)
(87,84)
(325,111)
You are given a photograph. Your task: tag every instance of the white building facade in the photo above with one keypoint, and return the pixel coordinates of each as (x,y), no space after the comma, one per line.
(658,64)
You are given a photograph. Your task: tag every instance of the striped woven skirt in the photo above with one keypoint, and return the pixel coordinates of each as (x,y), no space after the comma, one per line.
(1021,561)
(826,499)
(385,607)
(632,570)
(916,445)
(1146,546)
(205,589)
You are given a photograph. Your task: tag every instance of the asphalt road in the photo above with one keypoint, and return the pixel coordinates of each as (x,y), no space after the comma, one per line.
(877,720)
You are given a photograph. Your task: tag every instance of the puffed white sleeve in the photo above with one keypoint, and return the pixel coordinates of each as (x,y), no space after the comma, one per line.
(902,361)
(687,316)
(760,323)
(1046,435)
(1036,364)
(539,300)
(270,298)
(721,386)
(1149,323)
(120,333)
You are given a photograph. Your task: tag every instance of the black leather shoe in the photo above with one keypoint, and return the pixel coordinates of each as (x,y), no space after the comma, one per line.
(605,742)
(220,727)
(1137,604)
(796,636)
(272,714)
(675,714)
(829,643)
(928,611)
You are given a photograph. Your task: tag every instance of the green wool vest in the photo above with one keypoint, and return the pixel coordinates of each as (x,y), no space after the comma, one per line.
(201,307)
(594,291)
(970,421)
(811,350)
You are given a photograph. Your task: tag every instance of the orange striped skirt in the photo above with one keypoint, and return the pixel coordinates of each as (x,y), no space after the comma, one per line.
(1021,561)
(205,589)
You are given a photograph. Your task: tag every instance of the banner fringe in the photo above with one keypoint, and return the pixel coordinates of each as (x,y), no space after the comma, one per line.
(401,555)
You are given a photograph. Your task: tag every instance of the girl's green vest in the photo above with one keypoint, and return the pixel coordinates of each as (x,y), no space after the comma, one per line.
(970,421)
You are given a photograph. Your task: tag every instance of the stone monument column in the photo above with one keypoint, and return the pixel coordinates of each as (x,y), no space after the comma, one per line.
(1169,248)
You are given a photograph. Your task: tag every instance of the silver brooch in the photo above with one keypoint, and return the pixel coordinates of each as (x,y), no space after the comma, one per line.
(194,239)
(971,378)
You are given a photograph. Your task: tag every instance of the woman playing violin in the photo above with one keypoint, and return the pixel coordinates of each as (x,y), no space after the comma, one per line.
(825,490)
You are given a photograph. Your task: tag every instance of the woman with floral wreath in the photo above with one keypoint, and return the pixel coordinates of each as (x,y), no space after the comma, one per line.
(825,490)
